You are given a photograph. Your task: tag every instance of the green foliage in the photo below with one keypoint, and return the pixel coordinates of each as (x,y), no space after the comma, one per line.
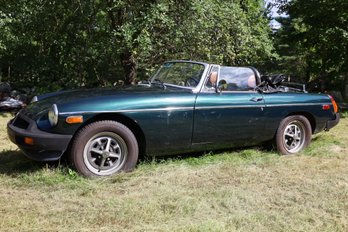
(64,44)
(313,41)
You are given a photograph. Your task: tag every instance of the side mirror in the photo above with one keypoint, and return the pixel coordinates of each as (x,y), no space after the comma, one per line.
(221,86)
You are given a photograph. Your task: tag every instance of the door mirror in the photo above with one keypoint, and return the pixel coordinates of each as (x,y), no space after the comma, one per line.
(222,86)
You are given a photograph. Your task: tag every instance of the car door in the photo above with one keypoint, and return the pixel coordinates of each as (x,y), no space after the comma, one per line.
(233,116)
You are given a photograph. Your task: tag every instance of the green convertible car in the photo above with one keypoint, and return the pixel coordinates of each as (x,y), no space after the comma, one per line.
(186,106)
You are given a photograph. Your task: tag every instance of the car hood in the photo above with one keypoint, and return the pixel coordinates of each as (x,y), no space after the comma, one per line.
(101,99)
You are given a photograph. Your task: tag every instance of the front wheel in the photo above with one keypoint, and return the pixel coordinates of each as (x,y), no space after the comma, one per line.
(294,134)
(104,148)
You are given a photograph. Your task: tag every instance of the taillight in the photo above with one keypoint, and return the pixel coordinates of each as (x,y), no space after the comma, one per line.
(334,104)
(326,107)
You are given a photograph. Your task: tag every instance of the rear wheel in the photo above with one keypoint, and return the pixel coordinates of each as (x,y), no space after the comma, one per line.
(104,148)
(294,134)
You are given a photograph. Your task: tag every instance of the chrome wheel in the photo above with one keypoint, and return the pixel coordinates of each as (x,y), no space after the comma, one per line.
(294,136)
(105,153)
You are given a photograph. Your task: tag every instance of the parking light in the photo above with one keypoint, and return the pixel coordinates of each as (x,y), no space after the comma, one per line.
(28,140)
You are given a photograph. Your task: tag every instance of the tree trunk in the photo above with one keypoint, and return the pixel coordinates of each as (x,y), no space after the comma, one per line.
(126,57)
(129,67)
(308,71)
(344,86)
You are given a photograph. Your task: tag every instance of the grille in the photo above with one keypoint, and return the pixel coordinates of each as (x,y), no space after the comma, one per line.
(21,123)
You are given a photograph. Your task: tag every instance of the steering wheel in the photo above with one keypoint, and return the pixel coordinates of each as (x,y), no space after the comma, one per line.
(191,81)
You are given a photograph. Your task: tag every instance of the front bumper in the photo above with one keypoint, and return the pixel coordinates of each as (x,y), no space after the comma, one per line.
(332,123)
(46,146)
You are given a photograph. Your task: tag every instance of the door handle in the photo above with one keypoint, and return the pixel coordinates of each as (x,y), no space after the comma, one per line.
(256,99)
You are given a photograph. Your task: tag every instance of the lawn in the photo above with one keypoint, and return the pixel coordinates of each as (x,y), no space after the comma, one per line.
(238,190)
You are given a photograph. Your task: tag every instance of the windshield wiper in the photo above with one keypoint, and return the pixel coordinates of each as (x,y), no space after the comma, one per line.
(158,81)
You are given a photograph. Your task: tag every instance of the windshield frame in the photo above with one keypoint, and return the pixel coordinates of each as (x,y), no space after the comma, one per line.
(195,89)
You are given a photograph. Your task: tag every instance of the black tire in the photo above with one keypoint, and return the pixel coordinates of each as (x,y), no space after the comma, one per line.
(294,134)
(104,148)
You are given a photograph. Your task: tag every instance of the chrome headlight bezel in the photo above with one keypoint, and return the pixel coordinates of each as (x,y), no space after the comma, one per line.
(53,115)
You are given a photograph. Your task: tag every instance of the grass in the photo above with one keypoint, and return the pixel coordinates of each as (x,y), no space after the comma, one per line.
(238,190)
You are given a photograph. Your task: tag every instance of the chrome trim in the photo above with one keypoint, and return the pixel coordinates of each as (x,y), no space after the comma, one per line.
(189,108)
(186,61)
(34,99)
(228,91)
(228,107)
(255,106)
(53,110)
(129,111)
(295,104)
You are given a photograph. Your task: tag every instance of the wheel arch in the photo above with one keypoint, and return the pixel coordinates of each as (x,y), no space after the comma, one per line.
(128,122)
(309,117)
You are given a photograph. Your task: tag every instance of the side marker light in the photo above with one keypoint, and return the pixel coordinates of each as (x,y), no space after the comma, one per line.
(334,104)
(74,119)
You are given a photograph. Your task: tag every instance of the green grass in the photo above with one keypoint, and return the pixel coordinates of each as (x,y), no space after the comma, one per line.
(239,190)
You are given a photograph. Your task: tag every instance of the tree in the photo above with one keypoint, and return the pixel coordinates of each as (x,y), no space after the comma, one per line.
(218,31)
(57,44)
(92,43)
(318,31)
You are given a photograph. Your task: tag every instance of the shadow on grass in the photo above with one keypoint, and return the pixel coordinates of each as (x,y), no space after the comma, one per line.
(317,138)
(237,153)
(13,162)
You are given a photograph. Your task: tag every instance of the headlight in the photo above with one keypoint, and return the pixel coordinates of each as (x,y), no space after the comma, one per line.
(34,99)
(53,115)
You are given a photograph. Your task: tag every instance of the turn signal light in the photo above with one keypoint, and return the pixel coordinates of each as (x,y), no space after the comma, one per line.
(74,119)
(334,104)
(28,140)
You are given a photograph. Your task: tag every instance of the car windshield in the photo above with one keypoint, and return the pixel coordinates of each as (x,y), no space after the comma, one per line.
(179,73)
